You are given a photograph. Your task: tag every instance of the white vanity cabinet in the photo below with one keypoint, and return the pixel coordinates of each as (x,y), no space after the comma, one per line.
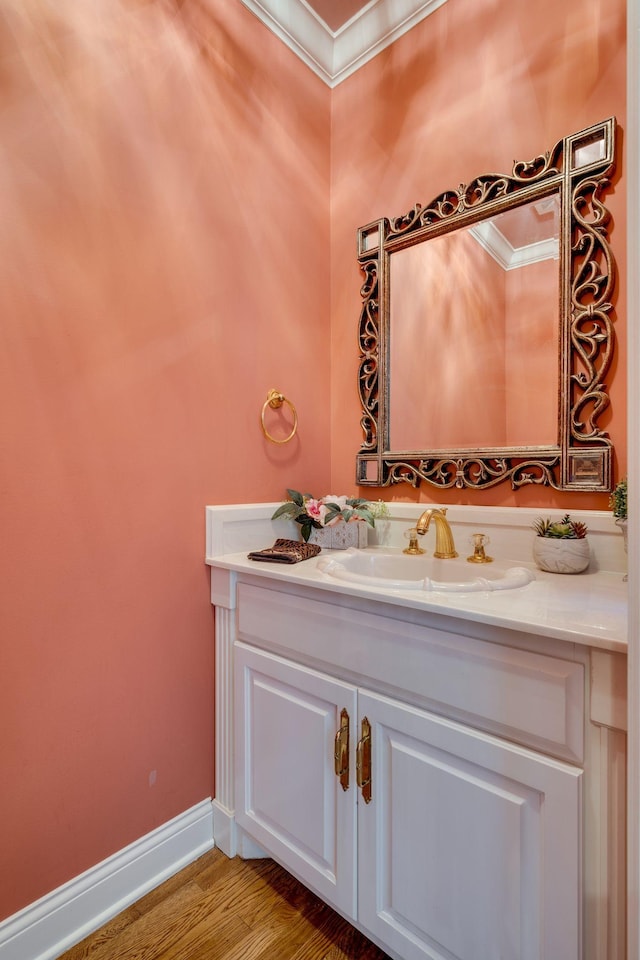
(496,823)
(494,829)
(471,845)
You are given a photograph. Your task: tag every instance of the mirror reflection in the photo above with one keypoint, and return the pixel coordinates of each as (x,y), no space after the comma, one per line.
(474,334)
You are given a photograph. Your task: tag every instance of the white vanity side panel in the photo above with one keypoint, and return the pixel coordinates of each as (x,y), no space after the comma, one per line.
(532,698)
(223,584)
(609,689)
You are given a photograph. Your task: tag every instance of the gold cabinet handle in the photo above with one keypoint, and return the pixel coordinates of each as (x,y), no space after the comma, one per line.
(363,761)
(341,750)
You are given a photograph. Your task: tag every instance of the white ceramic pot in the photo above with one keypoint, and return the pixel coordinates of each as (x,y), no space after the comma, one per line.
(622,523)
(623,526)
(561,556)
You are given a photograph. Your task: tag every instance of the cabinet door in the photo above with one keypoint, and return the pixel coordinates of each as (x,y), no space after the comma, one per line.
(288,795)
(470,846)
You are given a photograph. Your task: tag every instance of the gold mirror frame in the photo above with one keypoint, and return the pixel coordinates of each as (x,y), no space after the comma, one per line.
(577,168)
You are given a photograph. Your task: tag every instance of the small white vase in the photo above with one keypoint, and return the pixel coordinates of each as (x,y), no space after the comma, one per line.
(561,556)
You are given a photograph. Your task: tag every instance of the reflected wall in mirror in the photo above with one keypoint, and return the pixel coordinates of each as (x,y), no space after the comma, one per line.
(493,290)
(485,330)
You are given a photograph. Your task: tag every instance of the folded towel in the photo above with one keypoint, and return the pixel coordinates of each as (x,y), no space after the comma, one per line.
(286,551)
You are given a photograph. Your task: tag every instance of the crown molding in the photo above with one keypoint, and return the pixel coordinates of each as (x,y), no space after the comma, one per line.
(334,56)
(497,246)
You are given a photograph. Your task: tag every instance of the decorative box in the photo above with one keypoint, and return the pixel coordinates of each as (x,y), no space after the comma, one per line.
(341,535)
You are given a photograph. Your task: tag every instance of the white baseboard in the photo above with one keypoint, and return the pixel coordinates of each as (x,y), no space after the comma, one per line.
(48,927)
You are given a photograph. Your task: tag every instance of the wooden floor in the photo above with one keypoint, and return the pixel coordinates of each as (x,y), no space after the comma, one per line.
(221,909)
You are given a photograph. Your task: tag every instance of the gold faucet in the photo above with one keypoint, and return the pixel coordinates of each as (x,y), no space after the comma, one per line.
(445,547)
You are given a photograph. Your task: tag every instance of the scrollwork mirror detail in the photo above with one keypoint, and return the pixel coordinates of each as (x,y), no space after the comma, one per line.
(571,177)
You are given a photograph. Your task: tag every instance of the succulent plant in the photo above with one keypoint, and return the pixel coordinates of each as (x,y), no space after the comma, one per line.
(565,529)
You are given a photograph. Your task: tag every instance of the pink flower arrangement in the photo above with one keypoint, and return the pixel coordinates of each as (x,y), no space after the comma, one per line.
(309,512)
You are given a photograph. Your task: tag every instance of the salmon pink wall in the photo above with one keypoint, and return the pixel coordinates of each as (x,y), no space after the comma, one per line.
(532,347)
(163,249)
(469,90)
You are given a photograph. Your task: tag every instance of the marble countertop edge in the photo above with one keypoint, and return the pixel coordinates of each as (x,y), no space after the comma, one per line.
(588,608)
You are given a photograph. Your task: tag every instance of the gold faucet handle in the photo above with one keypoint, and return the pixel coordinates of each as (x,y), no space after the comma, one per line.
(479,541)
(414,549)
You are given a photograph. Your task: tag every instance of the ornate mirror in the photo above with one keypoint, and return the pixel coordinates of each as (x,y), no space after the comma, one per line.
(485,331)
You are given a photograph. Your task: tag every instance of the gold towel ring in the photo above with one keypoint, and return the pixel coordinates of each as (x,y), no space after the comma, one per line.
(275,399)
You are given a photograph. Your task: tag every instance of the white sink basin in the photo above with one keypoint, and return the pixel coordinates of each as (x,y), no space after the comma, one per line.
(395,570)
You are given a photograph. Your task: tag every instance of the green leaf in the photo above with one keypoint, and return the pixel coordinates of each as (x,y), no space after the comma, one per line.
(305,530)
(296,497)
(287,509)
(363,514)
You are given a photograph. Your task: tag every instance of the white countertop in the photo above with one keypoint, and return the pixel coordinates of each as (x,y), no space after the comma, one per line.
(588,608)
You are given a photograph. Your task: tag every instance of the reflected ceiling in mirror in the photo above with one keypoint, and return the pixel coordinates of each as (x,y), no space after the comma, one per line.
(485,330)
